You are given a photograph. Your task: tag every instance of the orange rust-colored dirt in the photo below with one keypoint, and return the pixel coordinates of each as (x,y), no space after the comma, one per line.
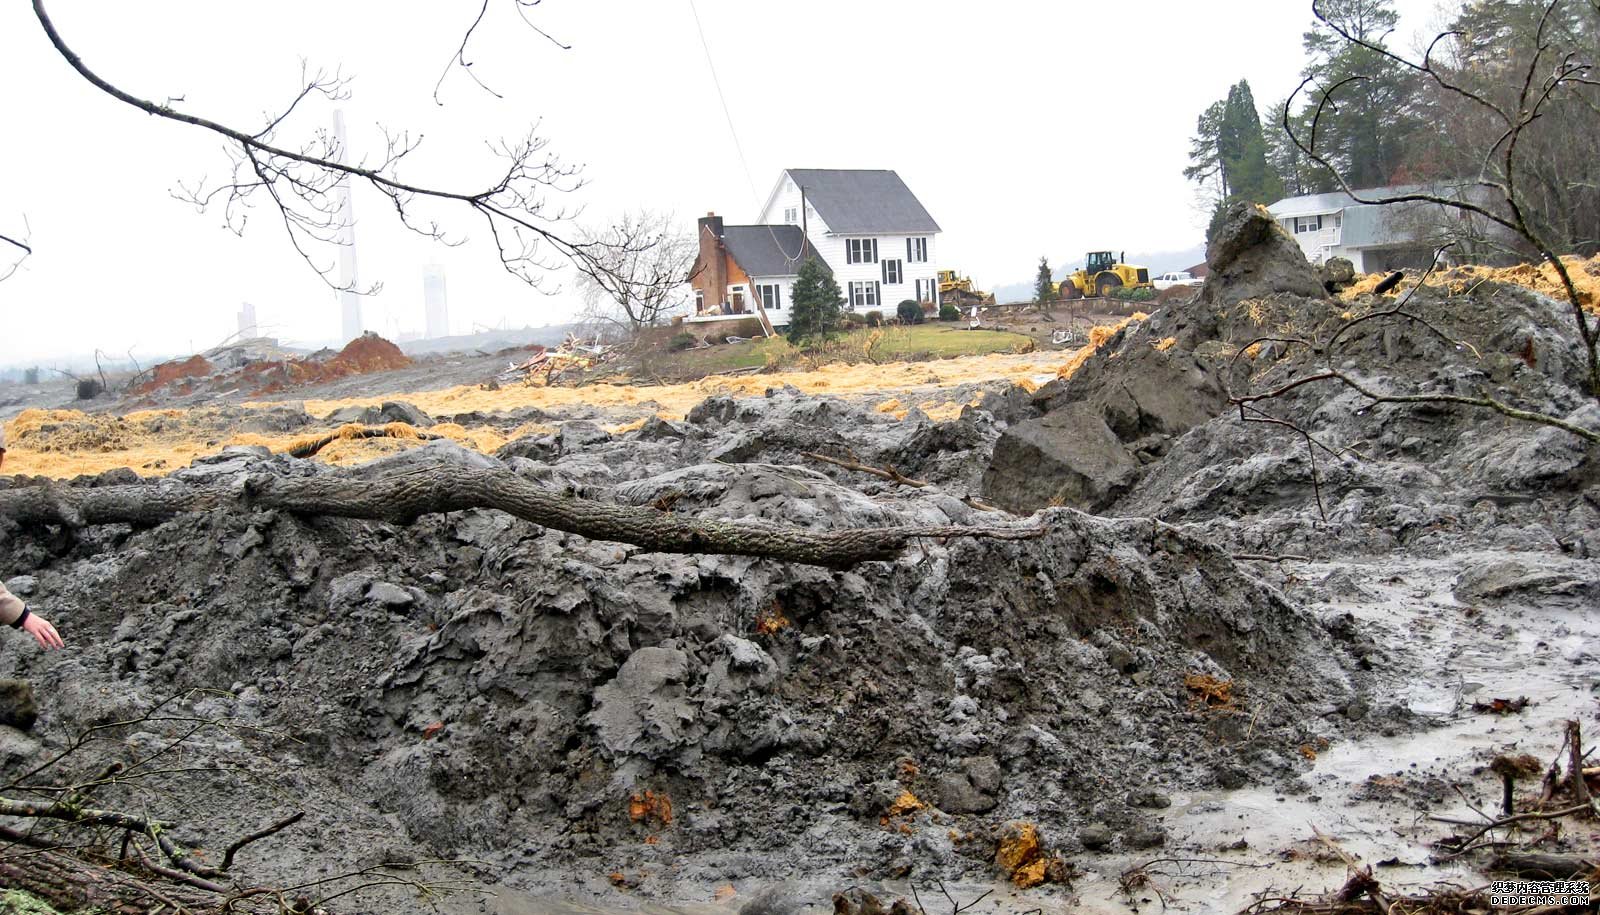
(1021,855)
(367,353)
(178,369)
(650,807)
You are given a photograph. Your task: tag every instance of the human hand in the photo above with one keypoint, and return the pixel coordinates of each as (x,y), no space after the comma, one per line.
(42,632)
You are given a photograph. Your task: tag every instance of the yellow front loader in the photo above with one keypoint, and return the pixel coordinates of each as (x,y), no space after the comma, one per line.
(1102,272)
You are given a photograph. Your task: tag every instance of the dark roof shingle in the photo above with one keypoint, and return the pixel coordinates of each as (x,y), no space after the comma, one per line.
(770,250)
(863,201)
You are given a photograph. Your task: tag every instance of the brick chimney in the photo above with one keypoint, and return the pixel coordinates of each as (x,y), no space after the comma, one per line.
(712,280)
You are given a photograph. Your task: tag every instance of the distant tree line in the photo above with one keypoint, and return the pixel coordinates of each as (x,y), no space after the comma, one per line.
(1379,120)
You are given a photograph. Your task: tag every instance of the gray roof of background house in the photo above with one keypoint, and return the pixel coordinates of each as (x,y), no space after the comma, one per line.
(770,250)
(863,201)
(1367,225)
(1312,204)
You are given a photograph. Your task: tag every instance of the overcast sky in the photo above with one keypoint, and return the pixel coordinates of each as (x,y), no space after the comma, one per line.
(1025,128)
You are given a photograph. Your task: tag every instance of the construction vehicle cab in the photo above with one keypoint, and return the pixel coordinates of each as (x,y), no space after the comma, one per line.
(1102,272)
(959,291)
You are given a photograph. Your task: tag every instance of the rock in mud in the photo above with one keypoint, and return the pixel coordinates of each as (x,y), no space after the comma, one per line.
(1096,836)
(1252,256)
(1070,457)
(17,706)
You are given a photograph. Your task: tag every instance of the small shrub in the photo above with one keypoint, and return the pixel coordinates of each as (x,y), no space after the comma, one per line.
(948,312)
(874,318)
(909,312)
(852,320)
(681,342)
(1134,294)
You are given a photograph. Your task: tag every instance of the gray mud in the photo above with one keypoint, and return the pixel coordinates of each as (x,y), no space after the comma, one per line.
(475,687)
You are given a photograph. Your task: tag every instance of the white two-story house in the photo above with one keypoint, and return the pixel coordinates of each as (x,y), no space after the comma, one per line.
(868,227)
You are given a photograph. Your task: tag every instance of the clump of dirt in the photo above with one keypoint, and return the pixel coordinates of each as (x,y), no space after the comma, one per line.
(1098,336)
(168,373)
(1023,859)
(268,371)
(365,354)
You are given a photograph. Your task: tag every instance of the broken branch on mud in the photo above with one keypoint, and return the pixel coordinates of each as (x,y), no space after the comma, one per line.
(402,498)
(892,474)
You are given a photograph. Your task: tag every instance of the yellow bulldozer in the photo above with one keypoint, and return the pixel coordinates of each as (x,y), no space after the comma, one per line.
(1102,272)
(959,291)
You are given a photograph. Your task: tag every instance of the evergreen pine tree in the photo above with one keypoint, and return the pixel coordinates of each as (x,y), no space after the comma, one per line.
(1044,288)
(1368,126)
(815,310)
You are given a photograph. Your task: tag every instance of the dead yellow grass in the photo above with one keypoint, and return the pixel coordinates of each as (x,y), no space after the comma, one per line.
(1098,335)
(672,401)
(1541,278)
(67,443)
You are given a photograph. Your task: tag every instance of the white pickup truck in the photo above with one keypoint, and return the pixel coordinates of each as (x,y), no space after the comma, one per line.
(1176,278)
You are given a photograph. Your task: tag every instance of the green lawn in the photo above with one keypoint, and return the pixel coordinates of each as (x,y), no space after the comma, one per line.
(893,344)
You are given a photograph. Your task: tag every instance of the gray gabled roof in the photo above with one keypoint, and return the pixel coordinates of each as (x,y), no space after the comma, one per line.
(863,201)
(770,250)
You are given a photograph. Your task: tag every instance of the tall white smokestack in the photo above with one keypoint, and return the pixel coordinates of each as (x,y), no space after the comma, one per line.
(436,315)
(349,302)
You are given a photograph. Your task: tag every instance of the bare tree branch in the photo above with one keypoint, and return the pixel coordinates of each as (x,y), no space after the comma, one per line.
(20,244)
(301,181)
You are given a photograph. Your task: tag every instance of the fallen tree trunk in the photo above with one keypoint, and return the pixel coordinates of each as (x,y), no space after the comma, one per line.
(401,498)
(1538,866)
(71,884)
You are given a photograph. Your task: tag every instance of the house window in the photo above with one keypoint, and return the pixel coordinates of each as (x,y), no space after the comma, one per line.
(770,295)
(861,251)
(893,273)
(699,302)
(916,250)
(1307,224)
(864,294)
(925,290)
(791,215)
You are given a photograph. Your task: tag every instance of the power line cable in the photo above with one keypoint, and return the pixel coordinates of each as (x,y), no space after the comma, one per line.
(738,146)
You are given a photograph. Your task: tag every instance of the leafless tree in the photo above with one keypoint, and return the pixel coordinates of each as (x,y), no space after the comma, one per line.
(299,177)
(647,263)
(1497,193)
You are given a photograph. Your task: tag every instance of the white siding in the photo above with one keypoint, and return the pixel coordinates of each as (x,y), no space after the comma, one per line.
(788,197)
(890,247)
(1320,244)
(778,316)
